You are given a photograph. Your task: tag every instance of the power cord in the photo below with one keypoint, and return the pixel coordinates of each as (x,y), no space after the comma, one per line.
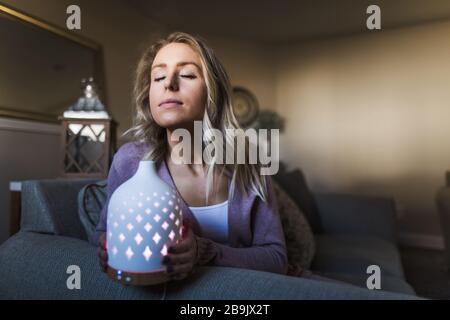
(164,292)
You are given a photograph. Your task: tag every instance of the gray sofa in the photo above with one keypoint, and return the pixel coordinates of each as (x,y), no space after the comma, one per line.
(357,232)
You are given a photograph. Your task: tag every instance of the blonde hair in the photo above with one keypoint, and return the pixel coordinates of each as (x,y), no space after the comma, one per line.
(218,115)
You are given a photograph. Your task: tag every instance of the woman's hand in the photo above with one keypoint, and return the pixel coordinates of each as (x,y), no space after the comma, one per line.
(182,256)
(102,253)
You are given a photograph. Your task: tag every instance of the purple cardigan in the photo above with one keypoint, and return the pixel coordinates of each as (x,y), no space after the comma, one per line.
(255,234)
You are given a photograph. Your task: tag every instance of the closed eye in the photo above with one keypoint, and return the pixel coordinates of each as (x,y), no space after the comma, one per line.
(183,76)
(189,76)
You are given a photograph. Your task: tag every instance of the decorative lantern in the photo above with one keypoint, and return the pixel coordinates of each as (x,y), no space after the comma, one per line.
(88,136)
(144,217)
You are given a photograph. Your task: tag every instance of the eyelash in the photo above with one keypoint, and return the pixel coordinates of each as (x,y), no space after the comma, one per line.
(183,76)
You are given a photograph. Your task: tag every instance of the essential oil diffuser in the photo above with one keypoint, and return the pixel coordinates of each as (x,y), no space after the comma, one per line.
(144,217)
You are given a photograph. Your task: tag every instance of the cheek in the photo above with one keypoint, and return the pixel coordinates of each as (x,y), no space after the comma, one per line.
(198,98)
(153,97)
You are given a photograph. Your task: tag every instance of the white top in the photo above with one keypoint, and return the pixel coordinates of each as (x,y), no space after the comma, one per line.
(213,221)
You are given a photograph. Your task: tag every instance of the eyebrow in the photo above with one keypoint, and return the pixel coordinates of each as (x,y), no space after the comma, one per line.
(183,63)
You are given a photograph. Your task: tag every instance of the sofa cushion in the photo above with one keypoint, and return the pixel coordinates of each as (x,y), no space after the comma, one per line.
(388,283)
(352,254)
(299,238)
(91,200)
(294,183)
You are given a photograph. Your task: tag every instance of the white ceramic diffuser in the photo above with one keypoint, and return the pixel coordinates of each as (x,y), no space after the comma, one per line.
(144,217)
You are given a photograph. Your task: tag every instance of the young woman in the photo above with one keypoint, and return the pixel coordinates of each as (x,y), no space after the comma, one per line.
(229,209)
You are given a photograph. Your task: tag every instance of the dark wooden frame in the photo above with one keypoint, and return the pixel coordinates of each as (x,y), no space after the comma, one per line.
(109,146)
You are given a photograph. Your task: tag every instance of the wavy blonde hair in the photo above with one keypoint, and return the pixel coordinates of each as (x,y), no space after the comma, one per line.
(218,115)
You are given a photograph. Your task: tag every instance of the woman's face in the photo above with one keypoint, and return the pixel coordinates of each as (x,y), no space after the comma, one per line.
(176,74)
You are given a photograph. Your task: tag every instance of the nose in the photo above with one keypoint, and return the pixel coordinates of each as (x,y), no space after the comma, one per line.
(171,81)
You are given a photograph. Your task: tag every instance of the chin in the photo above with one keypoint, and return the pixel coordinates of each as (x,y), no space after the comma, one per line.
(174,118)
(173,122)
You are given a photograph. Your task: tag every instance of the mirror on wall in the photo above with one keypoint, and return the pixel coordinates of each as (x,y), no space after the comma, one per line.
(41,67)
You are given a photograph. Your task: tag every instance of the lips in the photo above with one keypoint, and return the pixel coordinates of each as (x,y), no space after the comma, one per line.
(170,103)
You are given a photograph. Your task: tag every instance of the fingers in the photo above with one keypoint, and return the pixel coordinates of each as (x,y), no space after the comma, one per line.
(180,247)
(103,258)
(181,258)
(178,258)
(177,265)
(183,245)
(102,252)
(184,229)
(179,276)
(103,264)
(102,240)
(177,270)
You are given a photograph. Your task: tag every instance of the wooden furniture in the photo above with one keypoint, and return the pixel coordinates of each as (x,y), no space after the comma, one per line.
(137,279)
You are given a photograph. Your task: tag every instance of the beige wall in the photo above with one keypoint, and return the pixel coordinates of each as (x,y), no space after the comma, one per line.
(371,114)
(250,65)
(123,31)
(37,157)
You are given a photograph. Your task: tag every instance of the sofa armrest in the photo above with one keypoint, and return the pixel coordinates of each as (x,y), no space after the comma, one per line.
(34,266)
(50,206)
(357,214)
